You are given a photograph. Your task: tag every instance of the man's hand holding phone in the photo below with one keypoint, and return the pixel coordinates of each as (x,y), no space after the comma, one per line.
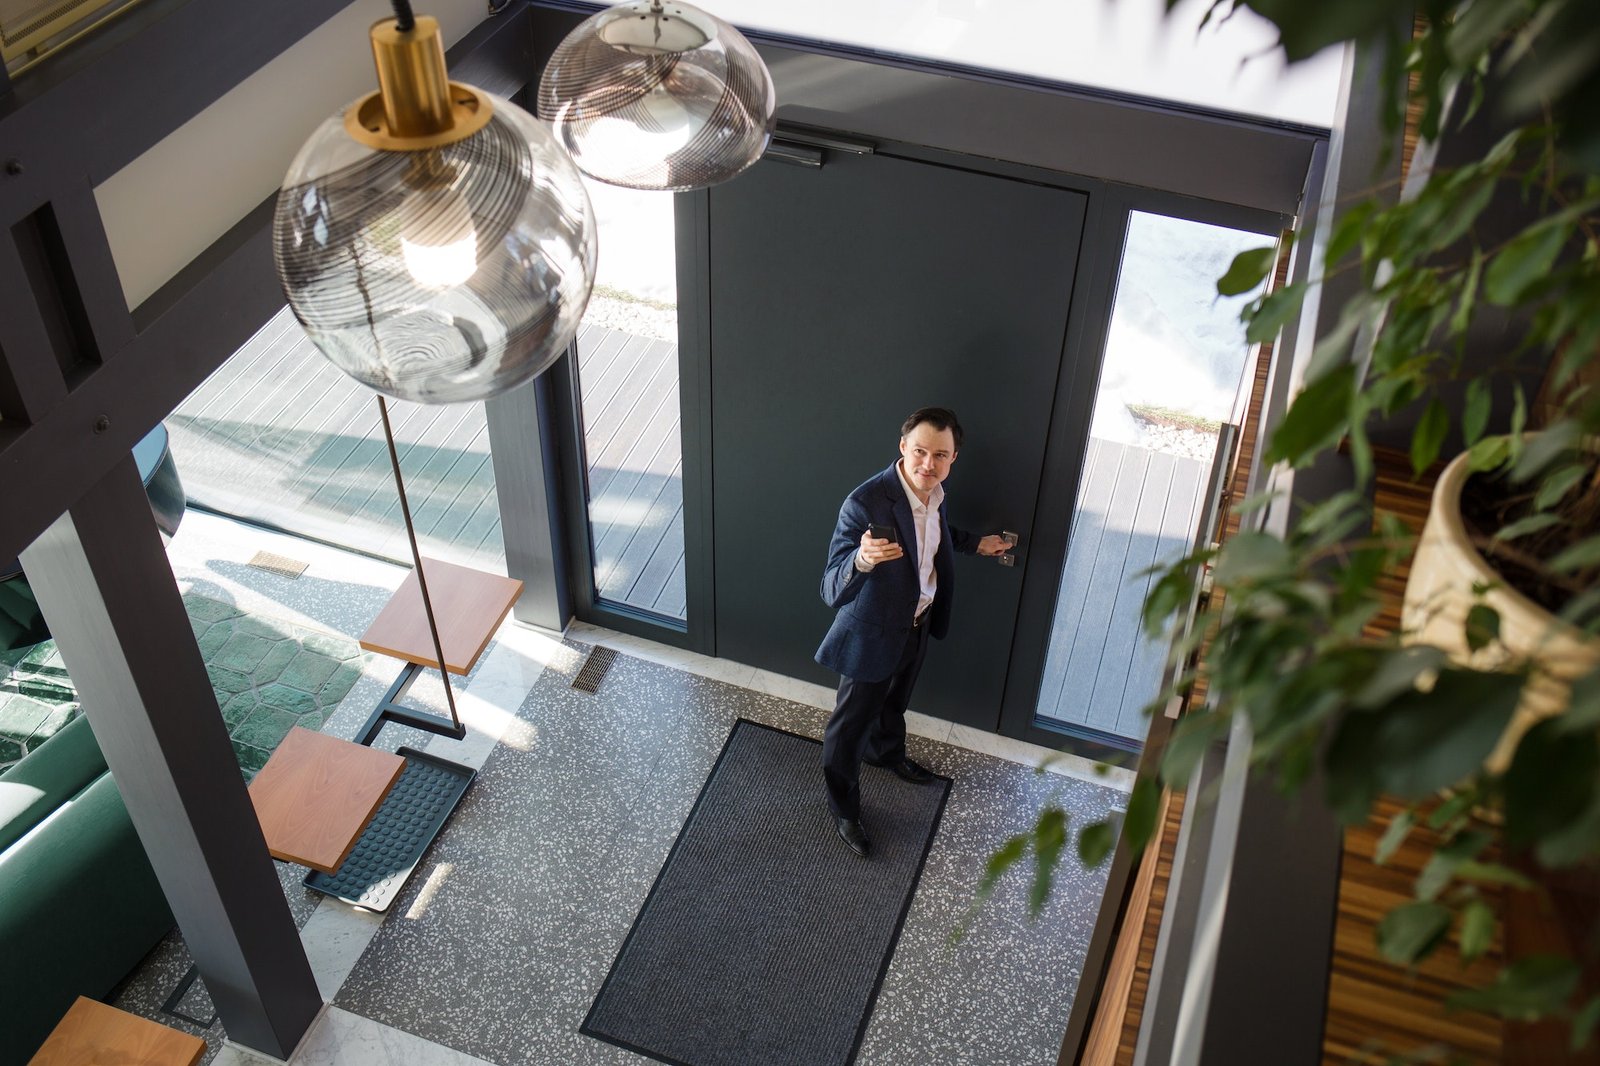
(879,544)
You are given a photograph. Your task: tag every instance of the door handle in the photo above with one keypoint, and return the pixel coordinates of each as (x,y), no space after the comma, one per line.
(1011,542)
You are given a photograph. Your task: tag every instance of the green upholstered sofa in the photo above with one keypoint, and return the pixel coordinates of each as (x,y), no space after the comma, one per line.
(79,903)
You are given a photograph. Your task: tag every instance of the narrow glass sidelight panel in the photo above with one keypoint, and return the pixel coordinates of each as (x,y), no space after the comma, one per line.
(1175,367)
(628,390)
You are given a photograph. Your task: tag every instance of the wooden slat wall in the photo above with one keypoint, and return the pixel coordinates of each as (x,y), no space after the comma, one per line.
(1121,976)
(1376,1009)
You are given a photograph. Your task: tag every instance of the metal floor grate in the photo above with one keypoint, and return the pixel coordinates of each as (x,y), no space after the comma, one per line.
(411,816)
(594,669)
(281,565)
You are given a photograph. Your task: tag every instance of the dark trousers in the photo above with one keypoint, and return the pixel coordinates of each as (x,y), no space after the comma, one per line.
(869,725)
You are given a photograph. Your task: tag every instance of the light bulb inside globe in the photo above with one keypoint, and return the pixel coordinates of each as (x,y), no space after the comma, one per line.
(611,145)
(439,244)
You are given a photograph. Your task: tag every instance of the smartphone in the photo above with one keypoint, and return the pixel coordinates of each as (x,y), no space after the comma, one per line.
(883,532)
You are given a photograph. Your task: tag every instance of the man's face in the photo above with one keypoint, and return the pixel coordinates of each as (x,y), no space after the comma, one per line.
(926,454)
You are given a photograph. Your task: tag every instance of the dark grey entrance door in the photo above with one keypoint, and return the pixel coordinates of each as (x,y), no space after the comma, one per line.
(841,300)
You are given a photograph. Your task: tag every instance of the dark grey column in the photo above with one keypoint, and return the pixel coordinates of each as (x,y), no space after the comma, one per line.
(522,446)
(103,582)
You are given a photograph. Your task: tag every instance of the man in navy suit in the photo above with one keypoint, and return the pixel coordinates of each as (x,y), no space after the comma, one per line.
(890,594)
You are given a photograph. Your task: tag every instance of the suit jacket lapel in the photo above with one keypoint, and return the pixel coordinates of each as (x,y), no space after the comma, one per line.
(896,491)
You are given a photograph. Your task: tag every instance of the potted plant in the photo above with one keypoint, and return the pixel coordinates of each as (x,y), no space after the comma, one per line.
(1427,716)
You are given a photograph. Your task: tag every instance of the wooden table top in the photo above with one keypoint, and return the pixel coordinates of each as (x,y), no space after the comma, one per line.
(317,795)
(91,1032)
(468,604)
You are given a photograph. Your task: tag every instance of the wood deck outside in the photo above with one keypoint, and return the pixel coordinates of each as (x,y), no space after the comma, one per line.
(279,435)
(1136,507)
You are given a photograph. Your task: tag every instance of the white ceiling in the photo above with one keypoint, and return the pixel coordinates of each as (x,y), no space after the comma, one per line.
(1124,45)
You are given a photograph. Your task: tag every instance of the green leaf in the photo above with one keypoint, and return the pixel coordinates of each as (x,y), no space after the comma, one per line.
(1580,556)
(1477,929)
(1583,705)
(1139,824)
(1523,262)
(1461,318)
(1451,809)
(1394,835)
(1489,453)
(1492,873)
(1550,782)
(1475,415)
(1482,627)
(1523,526)
(1247,271)
(1316,419)
(1443,864)
(1306,29)
(1557,484)
(1545,448)
(1190,738)
(1010,853)
(1422,742)
(1347,231)
(1584,1022)
(1333,510)
(1274,310)
(1478,26)
(1251,557)
(1524,991)
(1397,672)
(1412,931)
(1171,592)
(1094,844)
(1578,842)
(1583,611)
(1049,838)
(1428,437)
(1463,214)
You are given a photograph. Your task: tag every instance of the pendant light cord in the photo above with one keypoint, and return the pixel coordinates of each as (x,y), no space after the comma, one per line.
(416,556)
(404,20)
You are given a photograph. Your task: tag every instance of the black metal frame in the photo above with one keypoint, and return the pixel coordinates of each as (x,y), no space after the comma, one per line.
(391,709)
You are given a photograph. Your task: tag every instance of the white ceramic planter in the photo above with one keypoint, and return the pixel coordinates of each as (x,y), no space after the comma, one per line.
(1439,594)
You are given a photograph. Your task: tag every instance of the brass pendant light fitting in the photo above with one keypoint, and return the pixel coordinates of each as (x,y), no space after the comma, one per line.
(416,106)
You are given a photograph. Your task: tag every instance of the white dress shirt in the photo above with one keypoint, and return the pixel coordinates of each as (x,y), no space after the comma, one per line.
(925,521)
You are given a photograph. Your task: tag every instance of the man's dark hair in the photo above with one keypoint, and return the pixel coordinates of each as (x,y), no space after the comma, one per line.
(938,418)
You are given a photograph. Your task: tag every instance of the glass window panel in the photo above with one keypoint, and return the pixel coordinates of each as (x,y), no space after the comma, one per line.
(628,384)
(1175,366)
(281,437)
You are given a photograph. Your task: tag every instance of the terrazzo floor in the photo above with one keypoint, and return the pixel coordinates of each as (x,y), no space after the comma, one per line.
(605,782)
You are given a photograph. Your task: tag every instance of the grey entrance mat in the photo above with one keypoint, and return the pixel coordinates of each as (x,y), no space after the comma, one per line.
(765,940)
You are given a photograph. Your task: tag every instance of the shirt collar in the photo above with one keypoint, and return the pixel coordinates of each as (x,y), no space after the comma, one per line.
(935,498)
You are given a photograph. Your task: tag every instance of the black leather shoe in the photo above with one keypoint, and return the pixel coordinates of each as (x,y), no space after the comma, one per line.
(907,770)
(851,833)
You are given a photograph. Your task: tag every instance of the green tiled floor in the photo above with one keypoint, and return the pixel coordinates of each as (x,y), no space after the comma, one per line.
(269,675)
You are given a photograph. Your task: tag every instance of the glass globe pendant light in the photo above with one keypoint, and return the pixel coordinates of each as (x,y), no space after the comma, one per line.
(438,246)
(434,240)
(652,94)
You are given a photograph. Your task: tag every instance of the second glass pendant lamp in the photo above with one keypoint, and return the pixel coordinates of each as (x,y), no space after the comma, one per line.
(651,94)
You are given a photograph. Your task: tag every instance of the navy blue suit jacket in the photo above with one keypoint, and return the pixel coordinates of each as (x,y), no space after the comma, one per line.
(875,610)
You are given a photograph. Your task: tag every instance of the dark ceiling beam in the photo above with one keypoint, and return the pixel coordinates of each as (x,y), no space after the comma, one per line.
(177,337)
(99,105)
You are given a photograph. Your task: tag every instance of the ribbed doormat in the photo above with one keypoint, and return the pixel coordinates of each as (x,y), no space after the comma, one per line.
(764,939)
